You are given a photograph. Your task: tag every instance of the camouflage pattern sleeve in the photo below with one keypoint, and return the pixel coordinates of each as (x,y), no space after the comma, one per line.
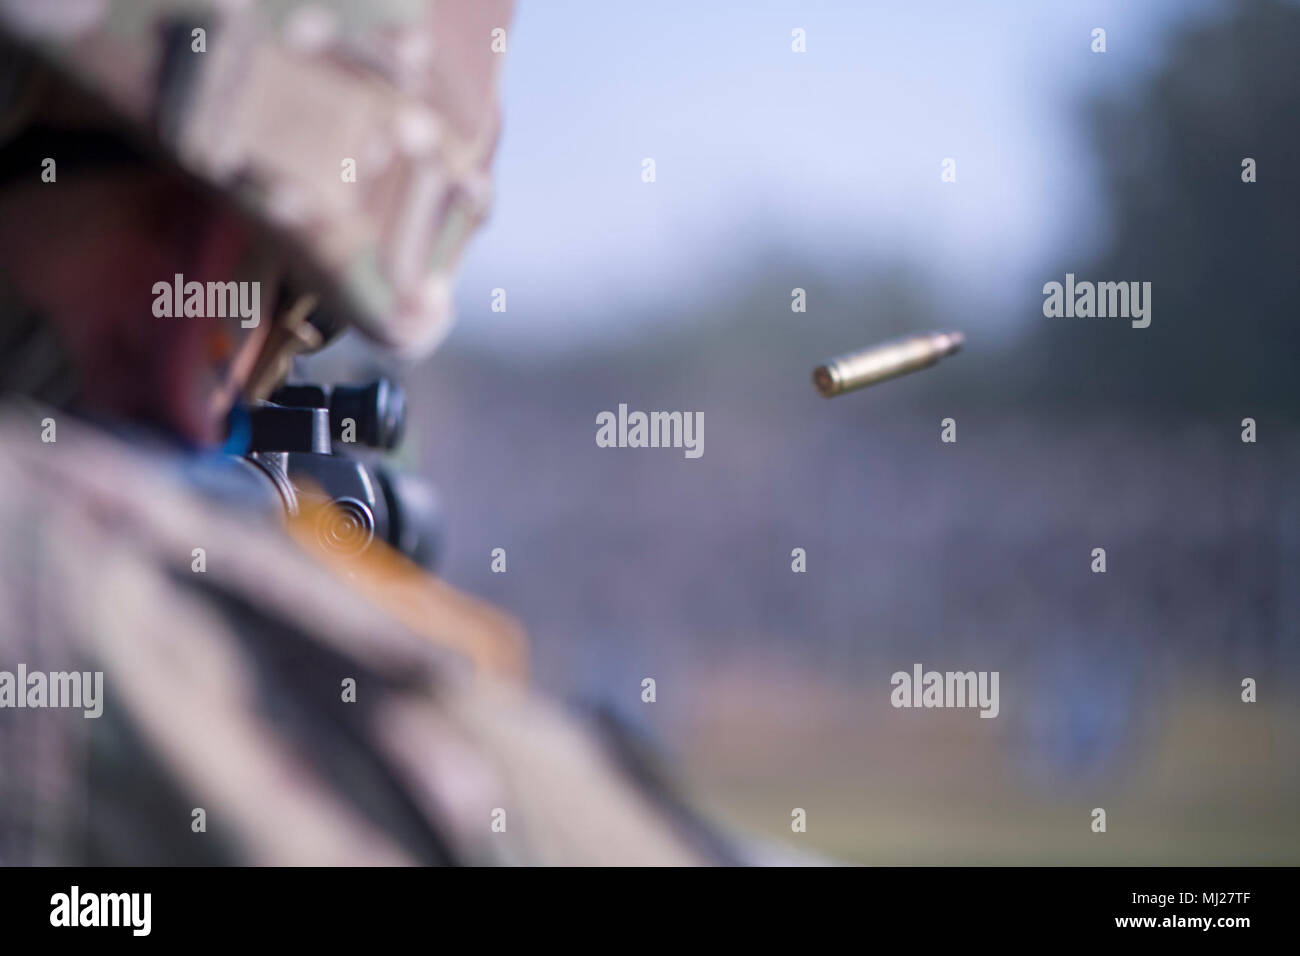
(307,724)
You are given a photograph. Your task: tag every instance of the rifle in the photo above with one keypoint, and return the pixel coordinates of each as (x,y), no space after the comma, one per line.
(293,442)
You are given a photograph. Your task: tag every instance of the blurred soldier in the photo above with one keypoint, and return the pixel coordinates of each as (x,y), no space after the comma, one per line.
(262,702)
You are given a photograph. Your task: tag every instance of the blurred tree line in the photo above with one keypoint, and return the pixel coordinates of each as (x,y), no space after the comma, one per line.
(1223,255)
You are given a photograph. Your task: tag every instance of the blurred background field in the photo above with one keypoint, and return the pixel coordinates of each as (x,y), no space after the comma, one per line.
(821,171)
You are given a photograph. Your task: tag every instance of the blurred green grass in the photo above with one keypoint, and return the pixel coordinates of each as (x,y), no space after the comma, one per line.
(1213,783)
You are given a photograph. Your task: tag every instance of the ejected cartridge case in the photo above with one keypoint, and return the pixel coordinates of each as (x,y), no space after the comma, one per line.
(879,362)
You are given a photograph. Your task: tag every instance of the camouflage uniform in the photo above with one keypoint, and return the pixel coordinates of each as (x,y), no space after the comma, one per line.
(224,688)
(282,95)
